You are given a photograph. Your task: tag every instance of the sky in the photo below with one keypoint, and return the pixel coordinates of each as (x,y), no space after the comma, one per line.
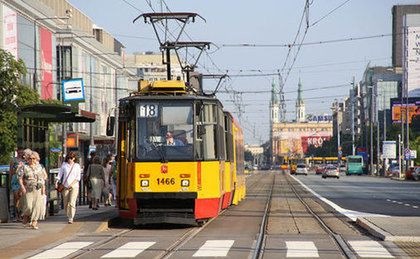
(231,24)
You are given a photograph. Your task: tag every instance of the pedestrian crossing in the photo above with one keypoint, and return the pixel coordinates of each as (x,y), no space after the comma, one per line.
(217,248)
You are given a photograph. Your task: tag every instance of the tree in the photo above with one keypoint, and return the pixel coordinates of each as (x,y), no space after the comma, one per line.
(12,95)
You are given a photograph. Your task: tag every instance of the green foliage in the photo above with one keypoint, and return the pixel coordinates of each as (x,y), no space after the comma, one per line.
(12,95)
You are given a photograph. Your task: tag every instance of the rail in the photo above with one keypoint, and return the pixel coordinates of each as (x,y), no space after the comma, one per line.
(338,239)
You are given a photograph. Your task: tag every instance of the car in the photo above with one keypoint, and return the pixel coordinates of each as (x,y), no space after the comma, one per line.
(301,169)
(331,171)
(319,169)
(411,173)
(393,170)
(416,174)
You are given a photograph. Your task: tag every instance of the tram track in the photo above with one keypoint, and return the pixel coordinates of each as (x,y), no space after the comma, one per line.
(338,239)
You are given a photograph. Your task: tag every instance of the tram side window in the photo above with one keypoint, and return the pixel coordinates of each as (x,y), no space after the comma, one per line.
(221,133)
(206,133)
(229,138)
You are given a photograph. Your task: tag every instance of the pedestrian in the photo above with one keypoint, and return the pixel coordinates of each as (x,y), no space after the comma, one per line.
(70,174)
(86,180)
(30,181)
(42,182)
(107,164)
(114,181)
(96,175)
(15,164)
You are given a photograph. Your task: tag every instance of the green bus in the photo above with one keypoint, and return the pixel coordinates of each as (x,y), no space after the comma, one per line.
(354,165)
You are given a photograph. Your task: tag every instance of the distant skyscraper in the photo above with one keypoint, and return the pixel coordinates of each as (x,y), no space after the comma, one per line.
(300,105)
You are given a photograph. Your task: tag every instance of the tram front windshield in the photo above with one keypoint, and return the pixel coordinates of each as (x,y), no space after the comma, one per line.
(165,131)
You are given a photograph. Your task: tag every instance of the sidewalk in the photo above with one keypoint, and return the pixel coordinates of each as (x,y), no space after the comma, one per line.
(16,240)
(403,229)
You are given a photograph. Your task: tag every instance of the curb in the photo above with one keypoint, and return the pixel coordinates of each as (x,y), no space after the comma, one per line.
(382,234)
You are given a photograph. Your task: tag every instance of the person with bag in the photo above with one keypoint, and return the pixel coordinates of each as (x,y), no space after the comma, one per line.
(106,192)
(70,171)
(96,175)
(31,184)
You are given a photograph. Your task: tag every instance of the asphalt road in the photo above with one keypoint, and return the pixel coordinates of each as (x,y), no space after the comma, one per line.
(368,194)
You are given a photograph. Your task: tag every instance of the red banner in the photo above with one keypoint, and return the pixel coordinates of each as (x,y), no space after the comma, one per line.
(46,63)
(316,141)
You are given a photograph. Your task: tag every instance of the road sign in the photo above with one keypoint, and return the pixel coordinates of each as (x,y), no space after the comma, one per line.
(73,90)
(340,152)
(413,154)
(407,154)
(92,149)
(389,149)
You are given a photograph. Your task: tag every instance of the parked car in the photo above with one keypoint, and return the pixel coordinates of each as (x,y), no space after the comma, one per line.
(319,169)
(393,170)
(331,171)
(301,169)
(413,173)
(416,174)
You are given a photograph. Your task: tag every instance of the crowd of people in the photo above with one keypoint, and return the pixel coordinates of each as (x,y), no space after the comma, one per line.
(29,181)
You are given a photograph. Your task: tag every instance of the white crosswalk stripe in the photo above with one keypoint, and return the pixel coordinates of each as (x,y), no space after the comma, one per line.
(131,249)
(214,248)
(62,250)
(369,248)
(301,249)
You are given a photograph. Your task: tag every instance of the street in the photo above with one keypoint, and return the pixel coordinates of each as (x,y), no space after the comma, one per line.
(377,195)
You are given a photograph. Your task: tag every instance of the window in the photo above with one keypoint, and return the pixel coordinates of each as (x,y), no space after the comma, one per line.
(206,147)
(165,131)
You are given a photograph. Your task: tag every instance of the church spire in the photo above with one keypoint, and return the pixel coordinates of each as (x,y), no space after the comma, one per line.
(300,105)
(274,98)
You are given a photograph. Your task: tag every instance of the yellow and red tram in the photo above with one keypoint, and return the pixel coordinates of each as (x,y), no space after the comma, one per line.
(188,179)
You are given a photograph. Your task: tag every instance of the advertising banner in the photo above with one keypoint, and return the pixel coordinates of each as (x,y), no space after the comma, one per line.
(399,112)
(46,63)
(10,42)
(315,141)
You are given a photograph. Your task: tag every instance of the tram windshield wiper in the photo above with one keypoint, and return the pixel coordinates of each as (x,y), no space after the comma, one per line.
(158,149)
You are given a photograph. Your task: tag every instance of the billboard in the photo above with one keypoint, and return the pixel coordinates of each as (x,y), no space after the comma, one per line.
(389,149)
(315,141)
(411,60)
(10,41)
(399,112)
(46,63)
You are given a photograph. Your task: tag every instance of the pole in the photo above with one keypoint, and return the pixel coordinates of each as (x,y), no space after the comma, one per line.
(371,129)
(338,133)
(35,57)
(377,131)
(399,156)
(384,159)
(91,142)
(353,148)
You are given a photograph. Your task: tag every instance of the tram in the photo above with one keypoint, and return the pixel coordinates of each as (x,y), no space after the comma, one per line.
(180,156)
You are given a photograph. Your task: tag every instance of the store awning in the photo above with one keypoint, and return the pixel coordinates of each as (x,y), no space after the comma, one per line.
(56,113)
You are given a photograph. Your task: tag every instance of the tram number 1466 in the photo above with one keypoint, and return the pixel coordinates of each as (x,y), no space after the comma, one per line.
(165,181)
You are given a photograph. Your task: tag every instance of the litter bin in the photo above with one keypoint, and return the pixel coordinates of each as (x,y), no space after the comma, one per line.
(4,193)
(54,198)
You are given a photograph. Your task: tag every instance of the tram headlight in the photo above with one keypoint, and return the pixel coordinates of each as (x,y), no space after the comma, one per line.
(185,183)
(144,183)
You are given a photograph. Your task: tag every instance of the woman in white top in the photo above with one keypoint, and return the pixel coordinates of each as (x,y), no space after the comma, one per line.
(69,175)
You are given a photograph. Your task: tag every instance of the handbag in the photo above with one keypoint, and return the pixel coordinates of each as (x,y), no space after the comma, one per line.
(60,186)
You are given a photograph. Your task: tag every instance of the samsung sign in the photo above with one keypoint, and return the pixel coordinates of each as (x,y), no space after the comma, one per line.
(319,118)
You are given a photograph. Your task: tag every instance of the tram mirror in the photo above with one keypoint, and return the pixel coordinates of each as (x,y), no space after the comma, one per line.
(110,124)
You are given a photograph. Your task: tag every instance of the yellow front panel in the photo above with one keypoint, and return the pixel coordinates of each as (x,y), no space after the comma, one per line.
(165,180)
(211,179)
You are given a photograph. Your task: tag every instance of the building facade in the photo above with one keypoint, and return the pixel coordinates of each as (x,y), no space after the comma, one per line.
(58,42)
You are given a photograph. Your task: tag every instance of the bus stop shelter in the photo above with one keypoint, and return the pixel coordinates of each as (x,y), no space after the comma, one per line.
(33,130)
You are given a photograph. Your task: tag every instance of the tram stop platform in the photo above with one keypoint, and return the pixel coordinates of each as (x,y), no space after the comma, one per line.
(394,229)
(16,240)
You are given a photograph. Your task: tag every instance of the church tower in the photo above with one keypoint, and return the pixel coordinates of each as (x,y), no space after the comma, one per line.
(300,106)
(274,106)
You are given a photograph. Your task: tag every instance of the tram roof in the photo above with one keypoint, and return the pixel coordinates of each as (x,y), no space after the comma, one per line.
(171,97)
